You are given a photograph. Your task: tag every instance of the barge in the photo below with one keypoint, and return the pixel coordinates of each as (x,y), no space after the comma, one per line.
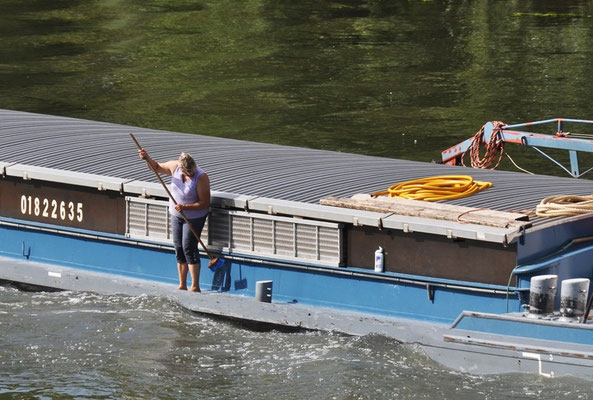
(79,211)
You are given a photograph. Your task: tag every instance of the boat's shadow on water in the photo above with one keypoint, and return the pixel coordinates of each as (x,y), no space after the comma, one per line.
(25,287)
(250,325)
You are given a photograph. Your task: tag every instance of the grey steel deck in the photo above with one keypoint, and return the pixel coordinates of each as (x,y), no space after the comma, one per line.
(243,167)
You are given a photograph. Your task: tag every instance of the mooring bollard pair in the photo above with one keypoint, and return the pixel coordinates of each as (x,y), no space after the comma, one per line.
(263,291)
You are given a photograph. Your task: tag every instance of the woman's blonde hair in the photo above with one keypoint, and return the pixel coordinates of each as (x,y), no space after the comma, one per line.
(186,163)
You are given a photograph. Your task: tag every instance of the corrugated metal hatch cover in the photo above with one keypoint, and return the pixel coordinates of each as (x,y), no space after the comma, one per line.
(243,167)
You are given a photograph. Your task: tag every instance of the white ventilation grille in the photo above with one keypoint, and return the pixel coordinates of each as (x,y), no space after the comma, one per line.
(276,237)
(147,219)
(241,232)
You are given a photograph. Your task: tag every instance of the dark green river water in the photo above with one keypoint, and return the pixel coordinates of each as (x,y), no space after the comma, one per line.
(392,78)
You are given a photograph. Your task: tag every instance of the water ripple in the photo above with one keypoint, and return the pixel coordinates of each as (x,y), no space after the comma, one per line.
(84,345)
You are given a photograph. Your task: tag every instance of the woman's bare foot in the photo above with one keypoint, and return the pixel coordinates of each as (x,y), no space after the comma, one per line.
(182,287)
(194,289)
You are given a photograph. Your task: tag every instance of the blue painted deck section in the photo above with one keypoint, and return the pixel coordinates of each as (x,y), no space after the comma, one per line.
(291,285)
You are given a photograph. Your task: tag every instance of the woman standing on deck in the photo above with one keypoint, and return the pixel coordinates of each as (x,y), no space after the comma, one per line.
(190,187)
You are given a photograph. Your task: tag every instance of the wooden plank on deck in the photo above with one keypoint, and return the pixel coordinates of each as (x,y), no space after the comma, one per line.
(424,209)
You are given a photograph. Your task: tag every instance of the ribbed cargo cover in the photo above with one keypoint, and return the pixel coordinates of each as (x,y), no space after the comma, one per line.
(249,168)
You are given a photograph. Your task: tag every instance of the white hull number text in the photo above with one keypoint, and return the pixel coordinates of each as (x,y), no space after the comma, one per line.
(51,208)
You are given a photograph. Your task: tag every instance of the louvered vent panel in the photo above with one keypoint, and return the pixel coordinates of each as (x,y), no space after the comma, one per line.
(306,239)
(285,238)
(158,221)
(136,219)
(263,236)
(205,237)
(329,244)
(218,229)
(148,219)
(242,232)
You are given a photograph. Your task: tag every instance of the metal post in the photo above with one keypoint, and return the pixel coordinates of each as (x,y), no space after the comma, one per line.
(263,291)
(574,163)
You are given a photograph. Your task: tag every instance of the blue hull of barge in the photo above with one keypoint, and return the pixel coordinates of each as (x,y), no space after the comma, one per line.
(485,340)
(333,287)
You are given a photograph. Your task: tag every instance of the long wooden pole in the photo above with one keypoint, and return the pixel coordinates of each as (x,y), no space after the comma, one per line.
(213,260)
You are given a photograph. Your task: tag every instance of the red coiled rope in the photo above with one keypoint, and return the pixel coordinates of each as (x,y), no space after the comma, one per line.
(494,146)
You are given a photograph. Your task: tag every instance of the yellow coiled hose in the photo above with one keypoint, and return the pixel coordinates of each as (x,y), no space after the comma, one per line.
(435,188)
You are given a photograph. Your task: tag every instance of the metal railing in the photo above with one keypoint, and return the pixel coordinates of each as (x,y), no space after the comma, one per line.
(560,140)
